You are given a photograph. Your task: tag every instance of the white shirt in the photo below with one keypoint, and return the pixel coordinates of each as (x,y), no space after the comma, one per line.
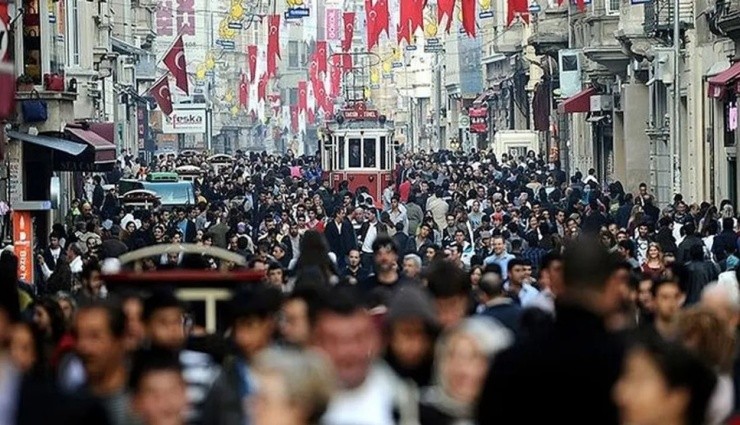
(76,265)
(372,233)
(369,404)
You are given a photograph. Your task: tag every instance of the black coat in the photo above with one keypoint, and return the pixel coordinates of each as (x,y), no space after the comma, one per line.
(575,363)
(340,243)
(725,243)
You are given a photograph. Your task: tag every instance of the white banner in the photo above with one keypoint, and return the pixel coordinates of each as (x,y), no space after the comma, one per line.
(185,120)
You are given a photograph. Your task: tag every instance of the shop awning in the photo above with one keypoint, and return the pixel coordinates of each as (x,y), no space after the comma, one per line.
(719,82)
(579,102)
(105,151)
(67,146)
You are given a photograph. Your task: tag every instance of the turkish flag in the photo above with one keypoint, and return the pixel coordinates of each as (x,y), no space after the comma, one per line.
(382,18)
(311,116)
(273,44)
(294,119)
(321,56)
(349,30)
(346,64)
(404,20)
(521,8)
(252,62)
(335,76)
(328,106)
(468,16)
(313,68)
(161,93)
(319,92)
(176,63)
(243,91)
(416,17)
(262,87)
(446,8)
(302,96)
(371,16)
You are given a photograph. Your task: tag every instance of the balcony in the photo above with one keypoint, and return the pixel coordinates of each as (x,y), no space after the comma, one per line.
(600,45)
(659,17)
(512,40)
(548,36)
(724,18)
(59,105)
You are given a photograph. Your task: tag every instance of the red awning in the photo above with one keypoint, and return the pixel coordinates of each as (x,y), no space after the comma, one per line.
(719,82)
(579,102)
(105,151)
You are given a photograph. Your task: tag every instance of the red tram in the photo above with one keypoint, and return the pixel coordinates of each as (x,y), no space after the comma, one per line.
(358,148)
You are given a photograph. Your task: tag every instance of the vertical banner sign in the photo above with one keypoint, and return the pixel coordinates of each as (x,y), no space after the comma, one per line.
(23,244)
(141,126)
(333,24)
(7,73)
(349,30)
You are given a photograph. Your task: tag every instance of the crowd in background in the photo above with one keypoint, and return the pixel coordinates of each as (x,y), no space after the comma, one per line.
(473,289)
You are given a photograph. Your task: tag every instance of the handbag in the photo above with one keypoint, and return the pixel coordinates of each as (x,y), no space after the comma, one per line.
(34,109)
(53,82)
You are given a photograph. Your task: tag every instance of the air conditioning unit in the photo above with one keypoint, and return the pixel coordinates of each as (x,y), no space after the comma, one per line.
(602,102)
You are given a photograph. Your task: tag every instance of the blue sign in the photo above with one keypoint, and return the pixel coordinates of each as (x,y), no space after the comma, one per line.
(226,44)
(52,19)
(235,25)
(60,38)
(411,47)
(535,8)
(210,74)
(434,40)
(397,64)
(375,86)
(200,83)
(486,15)
(297,13)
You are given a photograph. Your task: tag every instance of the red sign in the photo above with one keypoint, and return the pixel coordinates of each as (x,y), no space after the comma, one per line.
(478,119)
(359,111)
(23,244)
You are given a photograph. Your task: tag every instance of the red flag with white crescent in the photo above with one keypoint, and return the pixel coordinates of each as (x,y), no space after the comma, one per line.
(321,56)
(162,95)
(520,8)
(243,91)
(311,116)
(445,8)
(335,76)
(416,16)
(404,19)
(294,119)
(349,30)
(302,96)
(252,62)
(468,16)
(383,17)
(371,17)
(177,65)
(273,44)
(262,87)
(7,71)
(346,64)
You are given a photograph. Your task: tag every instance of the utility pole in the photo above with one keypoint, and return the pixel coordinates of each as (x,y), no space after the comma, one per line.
(437,111)
(676,141)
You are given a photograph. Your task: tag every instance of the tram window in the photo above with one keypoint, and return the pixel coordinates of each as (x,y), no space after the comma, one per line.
(340,148)
(383,159)
(369,153)
(355,153)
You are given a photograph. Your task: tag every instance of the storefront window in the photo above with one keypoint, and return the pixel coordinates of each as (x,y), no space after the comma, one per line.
(731,118)
(57,29)
(32,40)
(383,154)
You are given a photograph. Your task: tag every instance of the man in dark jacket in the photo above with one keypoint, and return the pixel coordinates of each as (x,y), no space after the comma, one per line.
(726,242)
(341,236)
(688,230)
(556,358)
(496,304)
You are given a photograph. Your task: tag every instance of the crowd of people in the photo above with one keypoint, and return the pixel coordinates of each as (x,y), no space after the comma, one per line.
(473,290)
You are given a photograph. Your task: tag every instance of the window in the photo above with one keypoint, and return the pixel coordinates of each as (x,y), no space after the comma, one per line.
(293,96)
(32,40)
(612,7)
(368,153)
(294,54)
(660,105)
(570,62)
(72,37)
(383,153)
(730,114)
(355,155)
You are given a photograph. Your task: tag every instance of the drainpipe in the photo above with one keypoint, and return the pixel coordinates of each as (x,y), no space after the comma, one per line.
(676,141)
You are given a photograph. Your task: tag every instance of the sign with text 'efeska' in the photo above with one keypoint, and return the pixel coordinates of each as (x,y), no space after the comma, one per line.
(185,121)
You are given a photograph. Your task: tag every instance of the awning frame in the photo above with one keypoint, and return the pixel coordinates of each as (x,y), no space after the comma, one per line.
(69,147)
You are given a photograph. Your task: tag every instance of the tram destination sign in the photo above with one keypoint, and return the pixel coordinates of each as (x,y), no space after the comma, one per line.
(359,111)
